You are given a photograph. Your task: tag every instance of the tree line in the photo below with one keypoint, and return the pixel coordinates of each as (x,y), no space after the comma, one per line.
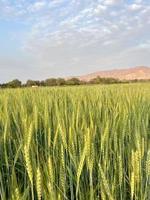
(63,82)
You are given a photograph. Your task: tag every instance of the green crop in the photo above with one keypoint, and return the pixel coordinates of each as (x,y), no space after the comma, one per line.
(75,143)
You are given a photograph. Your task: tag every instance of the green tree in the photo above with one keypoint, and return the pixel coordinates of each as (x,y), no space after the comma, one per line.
(100,80)
(14,83)
(51,82)
(30,83)
(73,81)
(60,81)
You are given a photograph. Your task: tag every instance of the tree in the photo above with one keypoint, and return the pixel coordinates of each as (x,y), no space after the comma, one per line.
(42,83)
(14,83)
(100,80)
(73,81)
(30,83)
(51,82)
(60,81)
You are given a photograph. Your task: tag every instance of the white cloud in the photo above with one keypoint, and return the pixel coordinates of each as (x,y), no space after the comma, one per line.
(143,45)
(138,1)
(37,6)
(100,9)
(135,7)
(67,35)
(112,2)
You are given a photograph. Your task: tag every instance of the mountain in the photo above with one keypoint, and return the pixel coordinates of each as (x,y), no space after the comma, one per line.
(140,73)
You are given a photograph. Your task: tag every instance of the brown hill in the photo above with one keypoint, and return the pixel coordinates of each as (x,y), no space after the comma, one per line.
(140,73)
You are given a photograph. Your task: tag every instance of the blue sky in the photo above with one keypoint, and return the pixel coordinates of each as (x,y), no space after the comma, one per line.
(46,38)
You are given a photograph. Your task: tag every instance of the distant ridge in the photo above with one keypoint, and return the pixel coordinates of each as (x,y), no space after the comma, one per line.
(139,73)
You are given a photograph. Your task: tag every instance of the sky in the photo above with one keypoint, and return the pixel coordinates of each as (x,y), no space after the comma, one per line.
(58,38)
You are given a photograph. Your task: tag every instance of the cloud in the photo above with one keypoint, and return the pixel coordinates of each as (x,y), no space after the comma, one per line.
(37,6)
(67,37)
(138,1)
(100,9)
(135,7)
(112,2)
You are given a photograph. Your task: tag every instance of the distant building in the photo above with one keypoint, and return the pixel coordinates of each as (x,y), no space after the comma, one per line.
(35,86)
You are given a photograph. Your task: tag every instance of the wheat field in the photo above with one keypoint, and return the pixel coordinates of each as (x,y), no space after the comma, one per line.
(75,143)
